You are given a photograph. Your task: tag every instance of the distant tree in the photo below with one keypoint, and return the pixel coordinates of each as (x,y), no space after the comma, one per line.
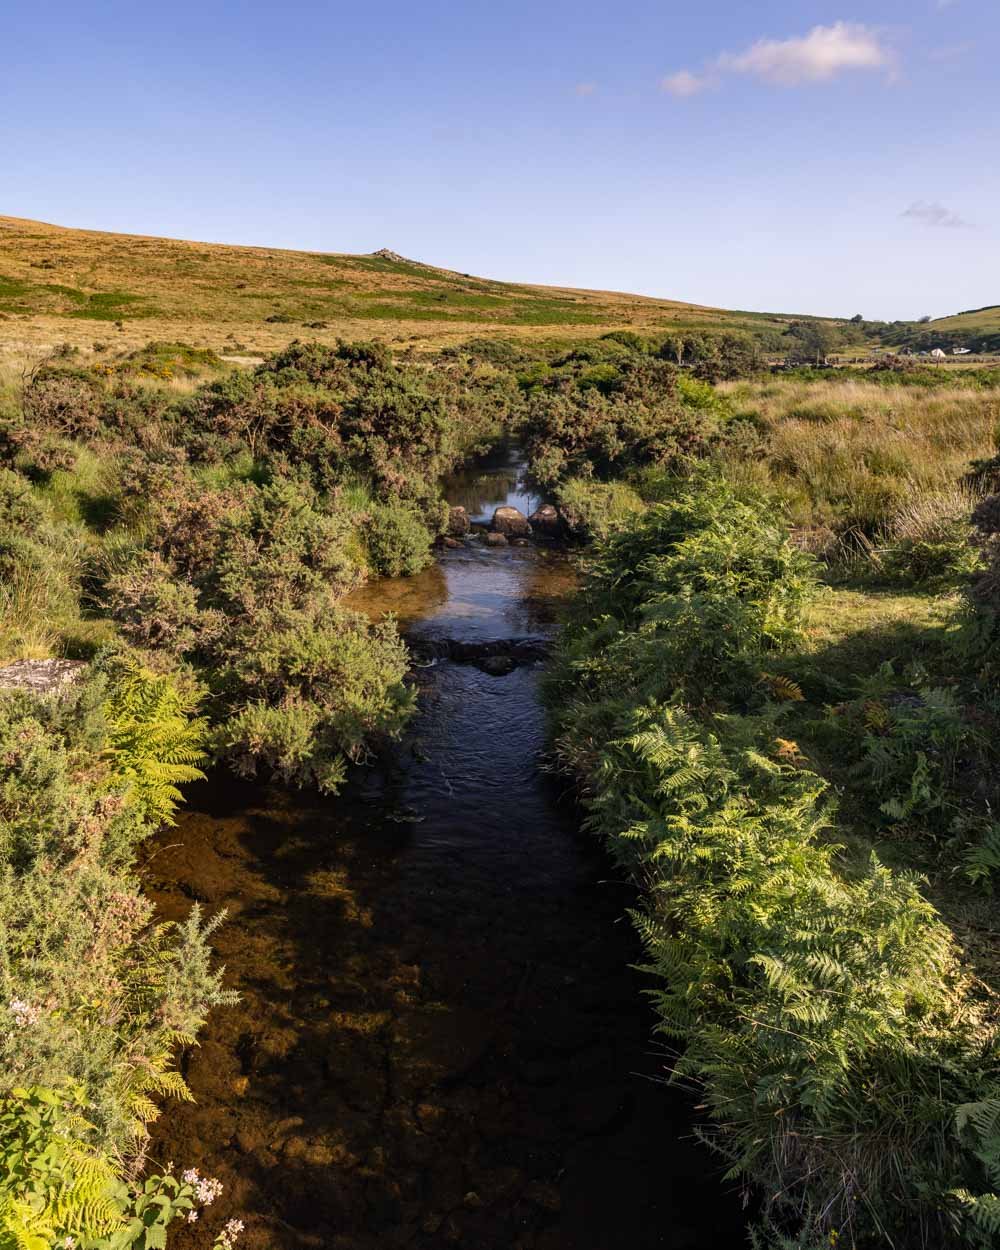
(857,320)
(922,321)
(815,339)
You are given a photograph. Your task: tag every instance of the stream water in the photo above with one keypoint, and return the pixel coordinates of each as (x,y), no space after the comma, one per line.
(440,1041)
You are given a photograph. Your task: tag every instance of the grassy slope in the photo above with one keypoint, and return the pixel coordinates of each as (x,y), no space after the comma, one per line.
(59,284)
(976,321)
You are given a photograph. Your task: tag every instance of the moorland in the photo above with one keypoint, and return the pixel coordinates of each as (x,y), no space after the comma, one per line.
(775,693)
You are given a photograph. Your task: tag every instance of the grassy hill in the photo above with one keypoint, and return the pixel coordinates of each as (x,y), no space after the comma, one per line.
(65,285)
(976,328)
(979,321)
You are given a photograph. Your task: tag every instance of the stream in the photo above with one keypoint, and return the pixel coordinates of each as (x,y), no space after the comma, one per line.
(440,1040)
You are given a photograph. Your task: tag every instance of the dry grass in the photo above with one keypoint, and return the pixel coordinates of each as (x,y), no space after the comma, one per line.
(27,631)
(61,285)
(854,455)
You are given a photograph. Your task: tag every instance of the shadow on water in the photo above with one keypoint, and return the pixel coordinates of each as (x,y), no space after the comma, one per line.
(440,1041)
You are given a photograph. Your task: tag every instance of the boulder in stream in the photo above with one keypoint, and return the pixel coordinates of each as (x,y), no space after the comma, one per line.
(458,522)
(546,522)
(495,540)
(511,522)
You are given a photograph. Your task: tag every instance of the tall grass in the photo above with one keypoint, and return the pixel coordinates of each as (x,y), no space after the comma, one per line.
(852,455)
(27,628)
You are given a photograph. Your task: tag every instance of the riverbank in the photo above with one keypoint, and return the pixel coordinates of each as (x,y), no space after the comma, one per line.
(439,1041)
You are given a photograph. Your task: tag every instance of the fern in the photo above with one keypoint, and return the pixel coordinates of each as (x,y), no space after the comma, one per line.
(983,860)
(154,743)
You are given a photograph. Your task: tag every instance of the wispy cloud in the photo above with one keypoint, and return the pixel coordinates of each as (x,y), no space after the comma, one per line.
(931,213)
(585,88)
(684,84)
(823,54)
(820,56)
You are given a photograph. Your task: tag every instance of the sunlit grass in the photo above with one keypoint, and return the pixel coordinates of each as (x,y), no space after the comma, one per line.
(854,455)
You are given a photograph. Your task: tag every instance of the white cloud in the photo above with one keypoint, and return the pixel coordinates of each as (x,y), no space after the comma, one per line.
(931,213)
(823,54)
(820,56)
(684,84)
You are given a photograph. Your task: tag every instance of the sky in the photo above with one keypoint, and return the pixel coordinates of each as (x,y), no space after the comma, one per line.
(811,157)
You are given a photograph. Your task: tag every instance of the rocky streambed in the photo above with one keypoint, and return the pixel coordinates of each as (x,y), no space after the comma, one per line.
(440,1041)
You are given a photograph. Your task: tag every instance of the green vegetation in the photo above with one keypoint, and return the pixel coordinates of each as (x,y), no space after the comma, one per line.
(195,544)
(778,695)
(95,995)
(826,965)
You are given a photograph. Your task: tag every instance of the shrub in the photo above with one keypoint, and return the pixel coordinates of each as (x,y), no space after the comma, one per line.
(596,509)
(825,1013)
(398,539)
(310,688)
(156,609)
(83,782)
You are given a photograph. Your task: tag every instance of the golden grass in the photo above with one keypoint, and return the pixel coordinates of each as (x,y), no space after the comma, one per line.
(54,282)
(848,454)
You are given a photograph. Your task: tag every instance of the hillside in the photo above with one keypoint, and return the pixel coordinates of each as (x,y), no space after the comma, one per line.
(976,328)
(979,323)
(59,284)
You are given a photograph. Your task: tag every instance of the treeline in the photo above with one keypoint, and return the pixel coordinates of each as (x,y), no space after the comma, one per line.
(846,1054)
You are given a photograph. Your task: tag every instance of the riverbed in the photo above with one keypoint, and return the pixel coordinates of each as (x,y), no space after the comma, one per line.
(440,1040)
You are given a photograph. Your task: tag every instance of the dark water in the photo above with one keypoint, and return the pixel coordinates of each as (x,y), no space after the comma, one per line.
(440,1042)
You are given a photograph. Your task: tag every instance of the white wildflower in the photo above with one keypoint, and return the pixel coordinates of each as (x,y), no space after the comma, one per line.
(24,1013)
(207,1190)
(228,1237)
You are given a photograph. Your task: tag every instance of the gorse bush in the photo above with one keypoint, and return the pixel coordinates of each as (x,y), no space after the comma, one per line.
(826,1014)
(95,996)
(104,995)
(247,588)
(397,538)
(608,423)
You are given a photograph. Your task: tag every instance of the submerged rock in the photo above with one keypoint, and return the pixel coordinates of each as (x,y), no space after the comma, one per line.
(41,676)
(512,522)
(498,665)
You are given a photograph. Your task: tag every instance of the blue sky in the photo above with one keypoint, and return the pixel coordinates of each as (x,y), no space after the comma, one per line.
(807,156)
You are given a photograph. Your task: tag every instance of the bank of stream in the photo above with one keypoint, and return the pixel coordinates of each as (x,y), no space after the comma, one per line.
(440,1041)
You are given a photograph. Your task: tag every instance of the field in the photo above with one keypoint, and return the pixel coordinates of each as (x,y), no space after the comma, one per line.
(62,285)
